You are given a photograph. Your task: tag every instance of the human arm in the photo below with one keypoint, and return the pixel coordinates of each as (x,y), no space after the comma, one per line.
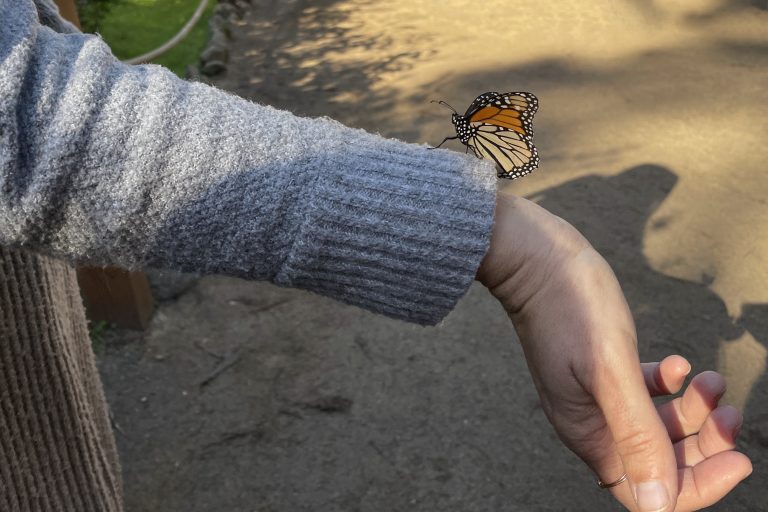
(579,341)
(105,163)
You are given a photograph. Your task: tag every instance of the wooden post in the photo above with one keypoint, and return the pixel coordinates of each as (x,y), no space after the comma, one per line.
(116,296)
(111,294)
(68,11)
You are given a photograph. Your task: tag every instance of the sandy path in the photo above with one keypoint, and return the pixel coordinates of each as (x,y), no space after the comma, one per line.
(652,137)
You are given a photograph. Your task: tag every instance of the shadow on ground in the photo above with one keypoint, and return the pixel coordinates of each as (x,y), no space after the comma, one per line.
(286,56)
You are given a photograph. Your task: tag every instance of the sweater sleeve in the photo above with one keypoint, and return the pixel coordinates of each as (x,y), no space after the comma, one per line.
(109,164)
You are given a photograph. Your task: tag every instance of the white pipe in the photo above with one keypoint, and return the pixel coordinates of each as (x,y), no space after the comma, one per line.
(184,32)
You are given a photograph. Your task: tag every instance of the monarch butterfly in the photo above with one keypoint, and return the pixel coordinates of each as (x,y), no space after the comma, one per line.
(499,126)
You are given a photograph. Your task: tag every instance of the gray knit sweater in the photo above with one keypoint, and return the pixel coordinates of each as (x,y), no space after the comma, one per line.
(110,164)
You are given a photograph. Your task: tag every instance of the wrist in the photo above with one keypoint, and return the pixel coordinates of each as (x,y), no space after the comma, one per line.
(529,248)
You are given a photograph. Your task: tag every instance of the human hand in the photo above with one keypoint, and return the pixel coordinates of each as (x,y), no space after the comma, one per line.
(704,434)
(580,345)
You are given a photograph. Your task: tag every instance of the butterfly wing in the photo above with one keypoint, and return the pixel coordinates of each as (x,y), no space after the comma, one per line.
(515,155)
(481,101)
(504,131)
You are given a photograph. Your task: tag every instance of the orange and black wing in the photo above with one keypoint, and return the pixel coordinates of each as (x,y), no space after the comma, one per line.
(504,131)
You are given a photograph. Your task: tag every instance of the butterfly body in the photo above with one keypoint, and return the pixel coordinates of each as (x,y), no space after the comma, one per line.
(498,126)
(463,128)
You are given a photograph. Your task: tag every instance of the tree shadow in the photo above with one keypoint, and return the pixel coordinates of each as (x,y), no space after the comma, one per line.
(704,14)
(726,8)
(286,54)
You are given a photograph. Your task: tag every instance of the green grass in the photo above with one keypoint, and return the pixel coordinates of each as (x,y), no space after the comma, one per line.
(133,27)
(96,331)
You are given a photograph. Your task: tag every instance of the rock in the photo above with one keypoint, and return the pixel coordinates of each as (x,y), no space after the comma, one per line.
(225,10)
(220,24)
(213,67)
(216,49)
(242,6)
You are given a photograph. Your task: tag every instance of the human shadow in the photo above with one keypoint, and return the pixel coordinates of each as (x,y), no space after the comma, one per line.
(672,315)
(612,212)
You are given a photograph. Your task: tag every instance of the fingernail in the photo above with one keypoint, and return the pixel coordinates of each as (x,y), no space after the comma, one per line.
(651,496)
(688,370)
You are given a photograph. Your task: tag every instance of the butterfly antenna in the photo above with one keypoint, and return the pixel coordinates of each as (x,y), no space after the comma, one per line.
(441,102)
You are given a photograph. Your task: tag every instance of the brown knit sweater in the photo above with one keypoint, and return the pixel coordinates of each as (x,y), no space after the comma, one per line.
(57,452)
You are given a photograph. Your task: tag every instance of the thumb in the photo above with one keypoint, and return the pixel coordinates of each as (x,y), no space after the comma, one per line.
(640,438)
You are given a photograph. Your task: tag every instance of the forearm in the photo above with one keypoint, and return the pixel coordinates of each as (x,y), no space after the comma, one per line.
(112,164)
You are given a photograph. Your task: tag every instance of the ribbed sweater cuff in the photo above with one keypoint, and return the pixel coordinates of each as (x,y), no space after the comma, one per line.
(393,227)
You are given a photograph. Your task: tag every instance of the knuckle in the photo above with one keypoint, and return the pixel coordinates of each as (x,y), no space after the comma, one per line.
(637,443)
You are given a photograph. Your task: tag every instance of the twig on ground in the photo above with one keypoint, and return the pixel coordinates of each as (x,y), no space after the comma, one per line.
(231,359)
(228,437)
(272,305)
(199,344)
(115,424)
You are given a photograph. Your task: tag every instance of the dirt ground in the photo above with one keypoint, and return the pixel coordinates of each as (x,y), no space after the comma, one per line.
(248,397)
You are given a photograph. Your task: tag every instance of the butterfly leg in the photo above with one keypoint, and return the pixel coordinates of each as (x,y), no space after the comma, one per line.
(445,139)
